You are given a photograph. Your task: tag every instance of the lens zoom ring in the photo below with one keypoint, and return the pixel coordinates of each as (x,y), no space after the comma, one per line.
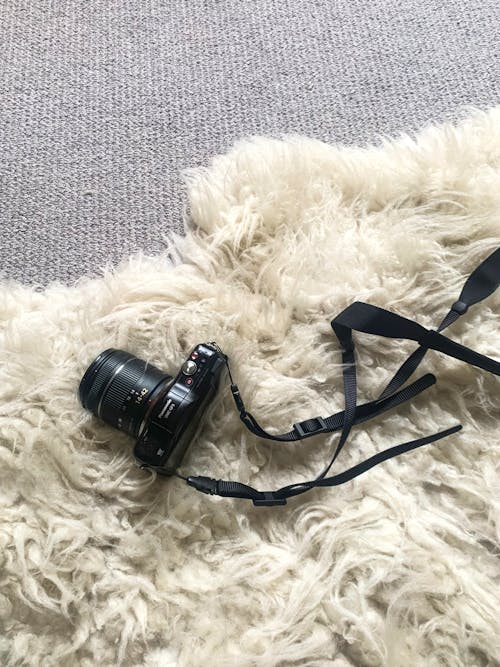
(122,383)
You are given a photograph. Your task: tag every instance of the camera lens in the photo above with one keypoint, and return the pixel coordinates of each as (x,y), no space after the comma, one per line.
(122,390)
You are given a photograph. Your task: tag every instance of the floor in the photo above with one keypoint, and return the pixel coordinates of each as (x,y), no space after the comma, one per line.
(104,104)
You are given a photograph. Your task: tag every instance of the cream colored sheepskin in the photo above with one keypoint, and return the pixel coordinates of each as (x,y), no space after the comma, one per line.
(104,564)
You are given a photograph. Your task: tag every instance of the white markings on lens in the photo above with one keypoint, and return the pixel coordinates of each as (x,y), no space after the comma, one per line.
(109,382)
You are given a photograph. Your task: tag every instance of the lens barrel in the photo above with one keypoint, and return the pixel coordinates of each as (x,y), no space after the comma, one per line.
(120,389)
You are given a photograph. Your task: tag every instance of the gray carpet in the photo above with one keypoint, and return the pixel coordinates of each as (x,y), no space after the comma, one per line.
(104,103)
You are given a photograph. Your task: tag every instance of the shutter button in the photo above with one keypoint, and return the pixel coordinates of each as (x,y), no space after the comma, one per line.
(189,367)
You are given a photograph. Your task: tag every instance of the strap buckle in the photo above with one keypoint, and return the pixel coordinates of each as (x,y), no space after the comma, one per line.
(268,500)
(310,427)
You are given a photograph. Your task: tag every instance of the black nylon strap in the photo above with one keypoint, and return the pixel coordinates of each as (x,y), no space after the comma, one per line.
(316,425)
(350,389)
(482,282)
(238,490)
(372,320)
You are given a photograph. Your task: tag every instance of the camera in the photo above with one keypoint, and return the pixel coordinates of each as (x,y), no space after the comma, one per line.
(162,412)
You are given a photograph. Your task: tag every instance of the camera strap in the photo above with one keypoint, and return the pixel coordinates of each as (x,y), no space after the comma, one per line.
(369,319)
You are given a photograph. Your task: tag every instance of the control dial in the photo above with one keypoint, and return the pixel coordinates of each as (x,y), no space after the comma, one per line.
(189,367)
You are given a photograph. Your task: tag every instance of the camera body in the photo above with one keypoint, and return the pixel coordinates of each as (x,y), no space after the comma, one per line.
(162,412)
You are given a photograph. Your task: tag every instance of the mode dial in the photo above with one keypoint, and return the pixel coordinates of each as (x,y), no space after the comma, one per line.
(189,367)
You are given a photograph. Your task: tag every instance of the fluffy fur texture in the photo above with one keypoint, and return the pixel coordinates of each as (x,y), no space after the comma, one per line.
(102,563)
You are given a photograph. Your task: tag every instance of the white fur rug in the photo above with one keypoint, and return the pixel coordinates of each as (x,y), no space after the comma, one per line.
(102,564)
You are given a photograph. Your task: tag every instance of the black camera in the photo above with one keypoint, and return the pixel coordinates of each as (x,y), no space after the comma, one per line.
(161,412)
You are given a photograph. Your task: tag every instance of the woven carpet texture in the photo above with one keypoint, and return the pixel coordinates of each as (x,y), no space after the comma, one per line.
(103,104)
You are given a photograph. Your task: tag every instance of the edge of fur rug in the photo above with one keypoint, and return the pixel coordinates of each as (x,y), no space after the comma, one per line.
(102,563)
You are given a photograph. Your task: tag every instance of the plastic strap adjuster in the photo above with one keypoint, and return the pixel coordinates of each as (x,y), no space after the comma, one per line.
(310,427)
(268,500)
